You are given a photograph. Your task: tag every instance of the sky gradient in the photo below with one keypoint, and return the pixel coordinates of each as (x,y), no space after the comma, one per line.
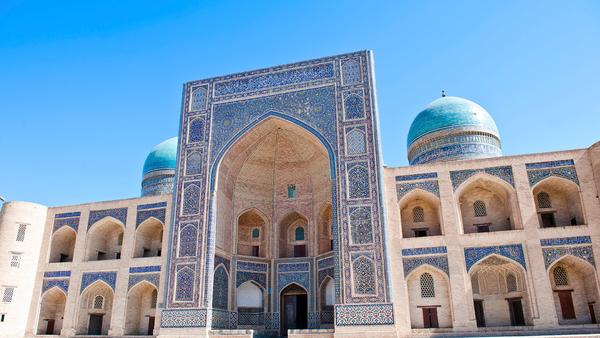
(87,88)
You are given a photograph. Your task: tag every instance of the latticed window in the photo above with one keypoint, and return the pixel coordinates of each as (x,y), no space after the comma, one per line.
(418,215)
(427,286)
(511,283)
(153,299)
(479,209)
(8,295)
(475,283)
(21,232)
(98,302)
(299,234)
(255,233)
(15,261)
(560,276)
(544,200)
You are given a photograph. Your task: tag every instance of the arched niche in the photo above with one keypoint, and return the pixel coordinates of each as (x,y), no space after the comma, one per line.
(575,290)
(62,245)
(326,301)
(95,309)
(250,300)
(500,293)
(325,232)
(429,298)
(296,297)
(140,314)
(487,204)
(52,309)
(420,214)
(148,238)
(558,202)
(104,240)
(252,234)
(294,236)
(274,168)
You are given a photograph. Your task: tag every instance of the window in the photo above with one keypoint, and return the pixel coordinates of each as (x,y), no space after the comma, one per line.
(255,233)
(544,200)
(15,261)
(153,299)
(427,287)
(299,234)
(255,250)
(511,283)
(299,250)
(8,294)
(418,215)
(21,232)
(560,276)
(479,209)
(98,302)
(548,220)
(291,191)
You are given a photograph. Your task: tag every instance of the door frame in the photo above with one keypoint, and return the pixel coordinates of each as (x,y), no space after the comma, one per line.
(295,290)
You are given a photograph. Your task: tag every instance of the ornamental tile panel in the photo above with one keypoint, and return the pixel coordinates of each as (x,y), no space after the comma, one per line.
(424,251)
(143,269)
(184,318)
(72,222)
(62,284)
(300,278)
(244,276)
(51,274)
(152,278)
(566,241)
(569,173)
(143,215)
(459,176)
(252,266)
(404,188)
(550,164)
(327,272)
(88,278)
(293,267)
(68,214)
(552,254)
(152,206)
(364,315)
(415,177)
(222,260)
(326,263)
(119,214)
(512,251)
(412,263)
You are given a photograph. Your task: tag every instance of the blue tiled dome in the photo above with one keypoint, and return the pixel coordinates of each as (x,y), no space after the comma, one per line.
(162,157)
(452,128)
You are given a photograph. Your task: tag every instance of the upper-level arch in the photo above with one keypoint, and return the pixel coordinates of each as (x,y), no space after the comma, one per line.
(420,214)
(558,202)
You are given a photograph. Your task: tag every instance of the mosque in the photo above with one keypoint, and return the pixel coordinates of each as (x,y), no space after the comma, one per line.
(272,214)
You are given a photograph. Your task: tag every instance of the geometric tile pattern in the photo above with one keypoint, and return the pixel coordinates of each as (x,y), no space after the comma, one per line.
(143,215)
(72,222)
(152,278)
(411,263)
(504,172)
(552,254)
(252,266)
(220,295)
(364,315)
(96,215)
(566,240)
(183,318)
(110,277)
(142,269)
(327,272)
(415,177)
(257,277)
(360,225)
(152,206)
(512,251)
(568,173)
(424,251)
(50,274)
(325,263)
(404,188)
(60,283)
(549,164)
(363,270)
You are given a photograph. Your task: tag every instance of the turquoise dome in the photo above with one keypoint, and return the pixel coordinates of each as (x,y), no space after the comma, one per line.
(452,128)
(450,112)
(162,157)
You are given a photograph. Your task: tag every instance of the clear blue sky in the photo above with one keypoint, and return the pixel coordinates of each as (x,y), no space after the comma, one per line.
(87,88)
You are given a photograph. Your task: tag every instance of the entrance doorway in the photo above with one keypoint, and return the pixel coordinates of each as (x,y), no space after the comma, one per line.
(479,315)
(95,325)
(566,304)
(151,325)
(516,312)
(430,318)
(294,309)
(50,326)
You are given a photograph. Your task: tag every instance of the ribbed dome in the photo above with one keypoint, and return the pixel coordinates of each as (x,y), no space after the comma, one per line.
(452,128)
(159,169)
(162,157)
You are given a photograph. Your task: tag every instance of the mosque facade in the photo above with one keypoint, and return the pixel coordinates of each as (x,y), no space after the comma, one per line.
(272,214)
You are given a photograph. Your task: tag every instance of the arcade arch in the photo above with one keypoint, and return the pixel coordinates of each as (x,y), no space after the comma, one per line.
(558,202)
(52,310)
(420,214)
(62,245)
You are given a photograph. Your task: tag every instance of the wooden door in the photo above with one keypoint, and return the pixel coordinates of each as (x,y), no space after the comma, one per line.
(95,325)
(592,313)
(50,326)
(430,319)
(566,304)
(516,312)
(150,325)
(479,314)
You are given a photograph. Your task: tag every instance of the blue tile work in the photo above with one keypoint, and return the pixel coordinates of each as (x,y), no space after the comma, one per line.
(252,266)
(143,269)
(569,173)
(152,278)
(191,198)
(363,272)
(360,225)
(364,315)
(220,296)
(272,321)
(318,107)
(274,79)
(143,215)
(358,180)
(460,151)
(222,260)
(185,283)
(459,176)
(566,241)
(300,278)
(51,274)
(62,284)
(193,162)
(324,273)
(313,320)
(552,254)
(152,206)
(223,319)
(88,278)
(251,319)
(415,177)
(188,240)
(158,185)
(68,214)
(325,263)
(550,164)
(404,188)
(412,263)
(293,267)
(354,106)
(72,222)
(244,276)
(424,251)
(96,215)
(183,318)
(512,251)
(198,98)
(356,143)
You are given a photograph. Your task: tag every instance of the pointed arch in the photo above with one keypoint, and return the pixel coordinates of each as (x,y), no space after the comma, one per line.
(140,307)
(432,297)
(563,206)
(149,238)
(87,309)
(431,217)
(220,296)
(249,220)
(52,308)
(62,245)
(104,239)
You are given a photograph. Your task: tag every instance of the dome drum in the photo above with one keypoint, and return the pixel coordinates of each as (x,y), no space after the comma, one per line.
(159,169)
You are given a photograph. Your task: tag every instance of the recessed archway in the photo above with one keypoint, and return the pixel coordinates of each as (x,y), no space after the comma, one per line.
(429,298)
(62,245)
(95,309)
(52,309)
(104,240)
(420,214)
(294,308)
(148,238)
(140,314)
(252,233)
(250,300)
(558,202)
